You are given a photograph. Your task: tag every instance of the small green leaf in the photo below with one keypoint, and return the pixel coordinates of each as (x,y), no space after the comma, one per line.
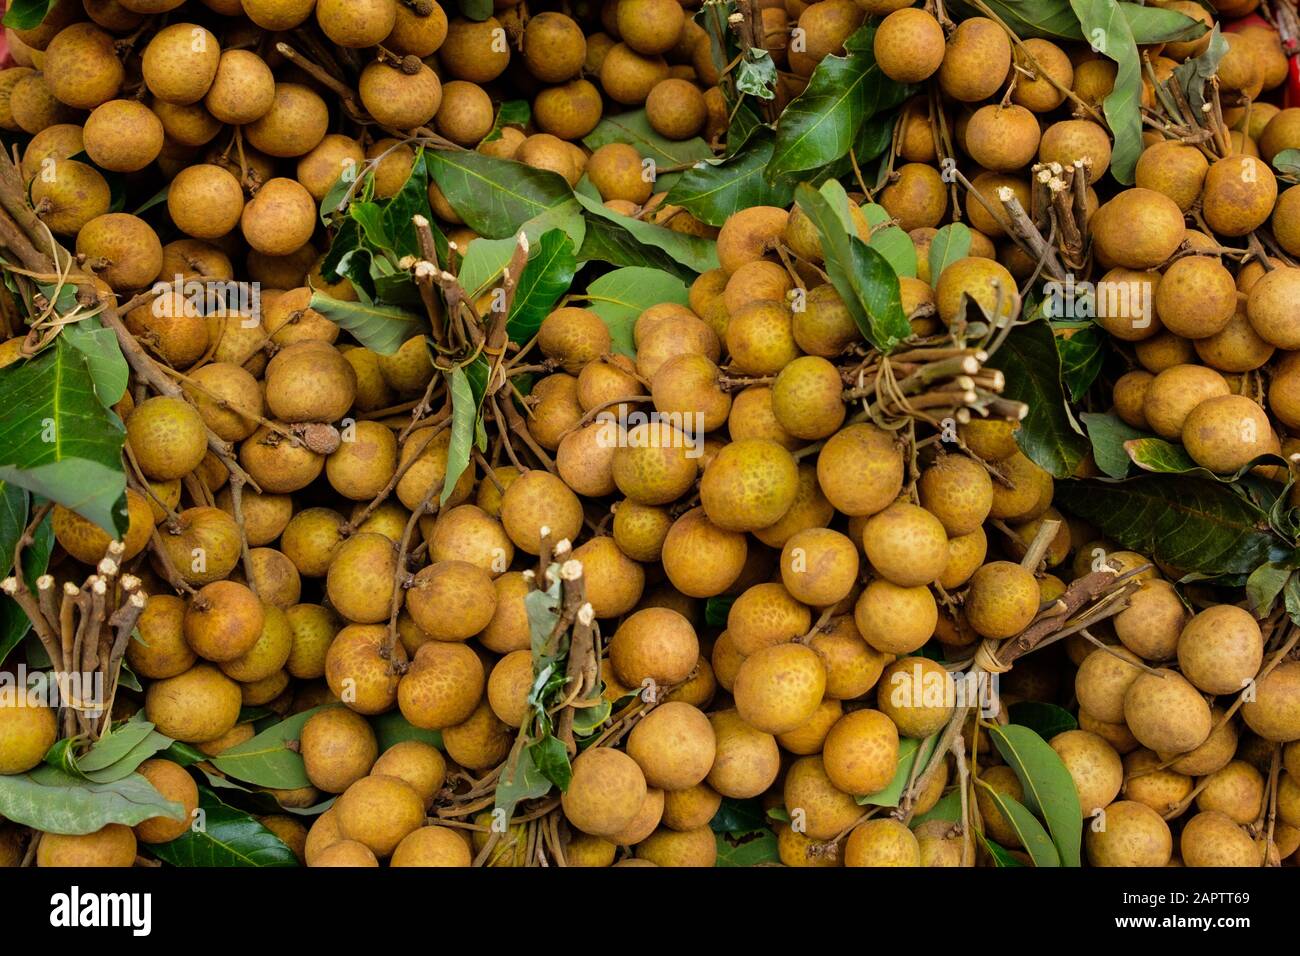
(950,243)
(495,196)
(392,728)
(1032,365)
(464,419)
(98,345)
(27,14)
(1265,584)
(547,276)
(1108,435)
(1046,720)
(552,761)
(757,850)
(694,252)
(1287,162)
(890,241)
(711,192)
(1108,30)
(1081,358)
(223,836)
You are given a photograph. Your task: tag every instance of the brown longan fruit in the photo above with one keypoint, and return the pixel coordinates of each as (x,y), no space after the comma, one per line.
(554,47)
(123,251)
(1134,835)
(417,33)
(296,122)
(75,194)
(332,157)
(399,99)
(1226,433)
(860,469)
(1047,62)
(616,171)
(909,45)
(1002,599)
(749,484)
(747,761)
(1094,766)
(1274,714)
(475,51)
(650,27)
(654,644)
(700,559)
(1070,141)
(205,201)
(1269,306)
(976,61)
(958,491)
(1238,195)
(123,136)
(199,705)
(906,545)
(1237,347)
(34,108)
(1174,169)
(167,437)
(1166,713)
(1173,394)
(113,845)
(916,196)
(675,109)
(180,63)
(242,89)
(825,26)
(1002,138)
(627,76)
(465,114)
(1213,839)
(986,282)
(356,23)
(570,110)
(882,842)
(82,68)
(280,218)
(605,793)
(1152,622)
(1196,297)
(1139,228)
(544,151)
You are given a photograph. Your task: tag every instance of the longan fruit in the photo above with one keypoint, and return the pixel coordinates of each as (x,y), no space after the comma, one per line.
(113,845)
(1226,433)
(1238,195)
(75,194)
(1173,394)
(1267,306)
(196,706)
(554,47)
(1213,839)
(417,32)
(747,761)
(1047,62)
(180,63)
(1002,599)
(333,156)
(750,234)
(916,196)
(82,68)
(675,109)
(205,201)
(1151,624)
(294,125)
(882,842)
(824,809)
(616,171)
(906,545)
(958,491)
(976,61)
(749,484)
(909,45)
(280,218)
(1274,714)
(1070,141)
(1002,138)
(465,114)
(1166,713)
(1094,766)
(123,136)
(860,469)
(123,251)
(605,793)
(650,27)
(914,684)
(1134,835)
(475,51)
(570,110)
(1196,297)
(356,23)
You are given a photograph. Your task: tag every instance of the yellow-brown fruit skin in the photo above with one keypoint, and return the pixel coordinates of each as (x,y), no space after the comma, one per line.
(778,688)
(882,842)
(976,61)
(748,760)
(909,45)
(1094,766)
(27,732)
(196,706)
(1134,835)
(1003,598)
(605,793)
(379,812)
(338,748)
(442,686)
(1238,195)
(112,846)
(1166,713)
(176,785)
(861,752)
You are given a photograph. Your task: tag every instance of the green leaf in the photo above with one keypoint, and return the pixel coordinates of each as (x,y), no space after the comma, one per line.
(1002,857)
(619,297)
(115,744)
(1049,789)
(821,124)
(1081,358)
(909,751)
(757,850)
(739,818)
(1166,458)
(1192,75)
(694,252)
(890,241)
(380,328)
(1032,835)
(98,346)
(14,624)
(478,10)
(13,522)
(266,760)
(58,440)
(552,761)
(26,14)
(1046,720)
(56,802)
(1032,366)
(1108,435)
(1190,524)
(392,728)
(464,418)
(495,196)
(1055,20)
(607,240)
(510,113)
(711,192)
(547,276)
(864,279)
(520,780)
(1287,162)
(950,243)
(223,836)
(634,129)
(716,610)
(1107,29)
(756,74)
(948,808)
(1265,584)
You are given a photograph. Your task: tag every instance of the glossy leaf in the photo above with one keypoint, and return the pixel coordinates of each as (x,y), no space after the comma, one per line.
(98,346)
(547,276)
(464,419)
(1055,20)
(950,243)
(711,192)
(222,837)
(694,252)
(267,760)
(1082,352)
(1032,367)
(607,241)
(1046,720)
(26,14)
(58,440)
(1032,835)
(759,849)
(495,196)
(619,297)
(890,241)
(380,328)
(1108,435)
(1107,29)
(1049,789)
(392,728)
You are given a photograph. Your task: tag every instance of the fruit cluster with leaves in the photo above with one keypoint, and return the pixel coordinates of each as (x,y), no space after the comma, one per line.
(646,432)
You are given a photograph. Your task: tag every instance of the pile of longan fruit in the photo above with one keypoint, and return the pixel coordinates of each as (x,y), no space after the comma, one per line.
(840,557)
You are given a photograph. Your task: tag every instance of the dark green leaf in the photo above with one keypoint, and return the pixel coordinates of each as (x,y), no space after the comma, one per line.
(1049,788)
(26,14)
(510,113)
(1165,458)
(739,818)
(1265,584)
(694,252)
(478,10)
(1081,357)
(713,191)
(607,240)
(56,802)
(58,440)
(1054,20)
(619,297)
(495,196)
(1002,857)
(13,521)
(756,74)
(890,241)
(464,418)
(1108,434)
(1032,367)
(716,610)
(267,760)
(381,328)
(223,836)
(547,276)
(861,275)
(14,624)
(521,779)
(1046,720)
(821,124)
(552,761)
(949,244)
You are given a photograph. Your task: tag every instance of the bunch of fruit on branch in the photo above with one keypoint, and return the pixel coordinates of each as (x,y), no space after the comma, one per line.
(643,432)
